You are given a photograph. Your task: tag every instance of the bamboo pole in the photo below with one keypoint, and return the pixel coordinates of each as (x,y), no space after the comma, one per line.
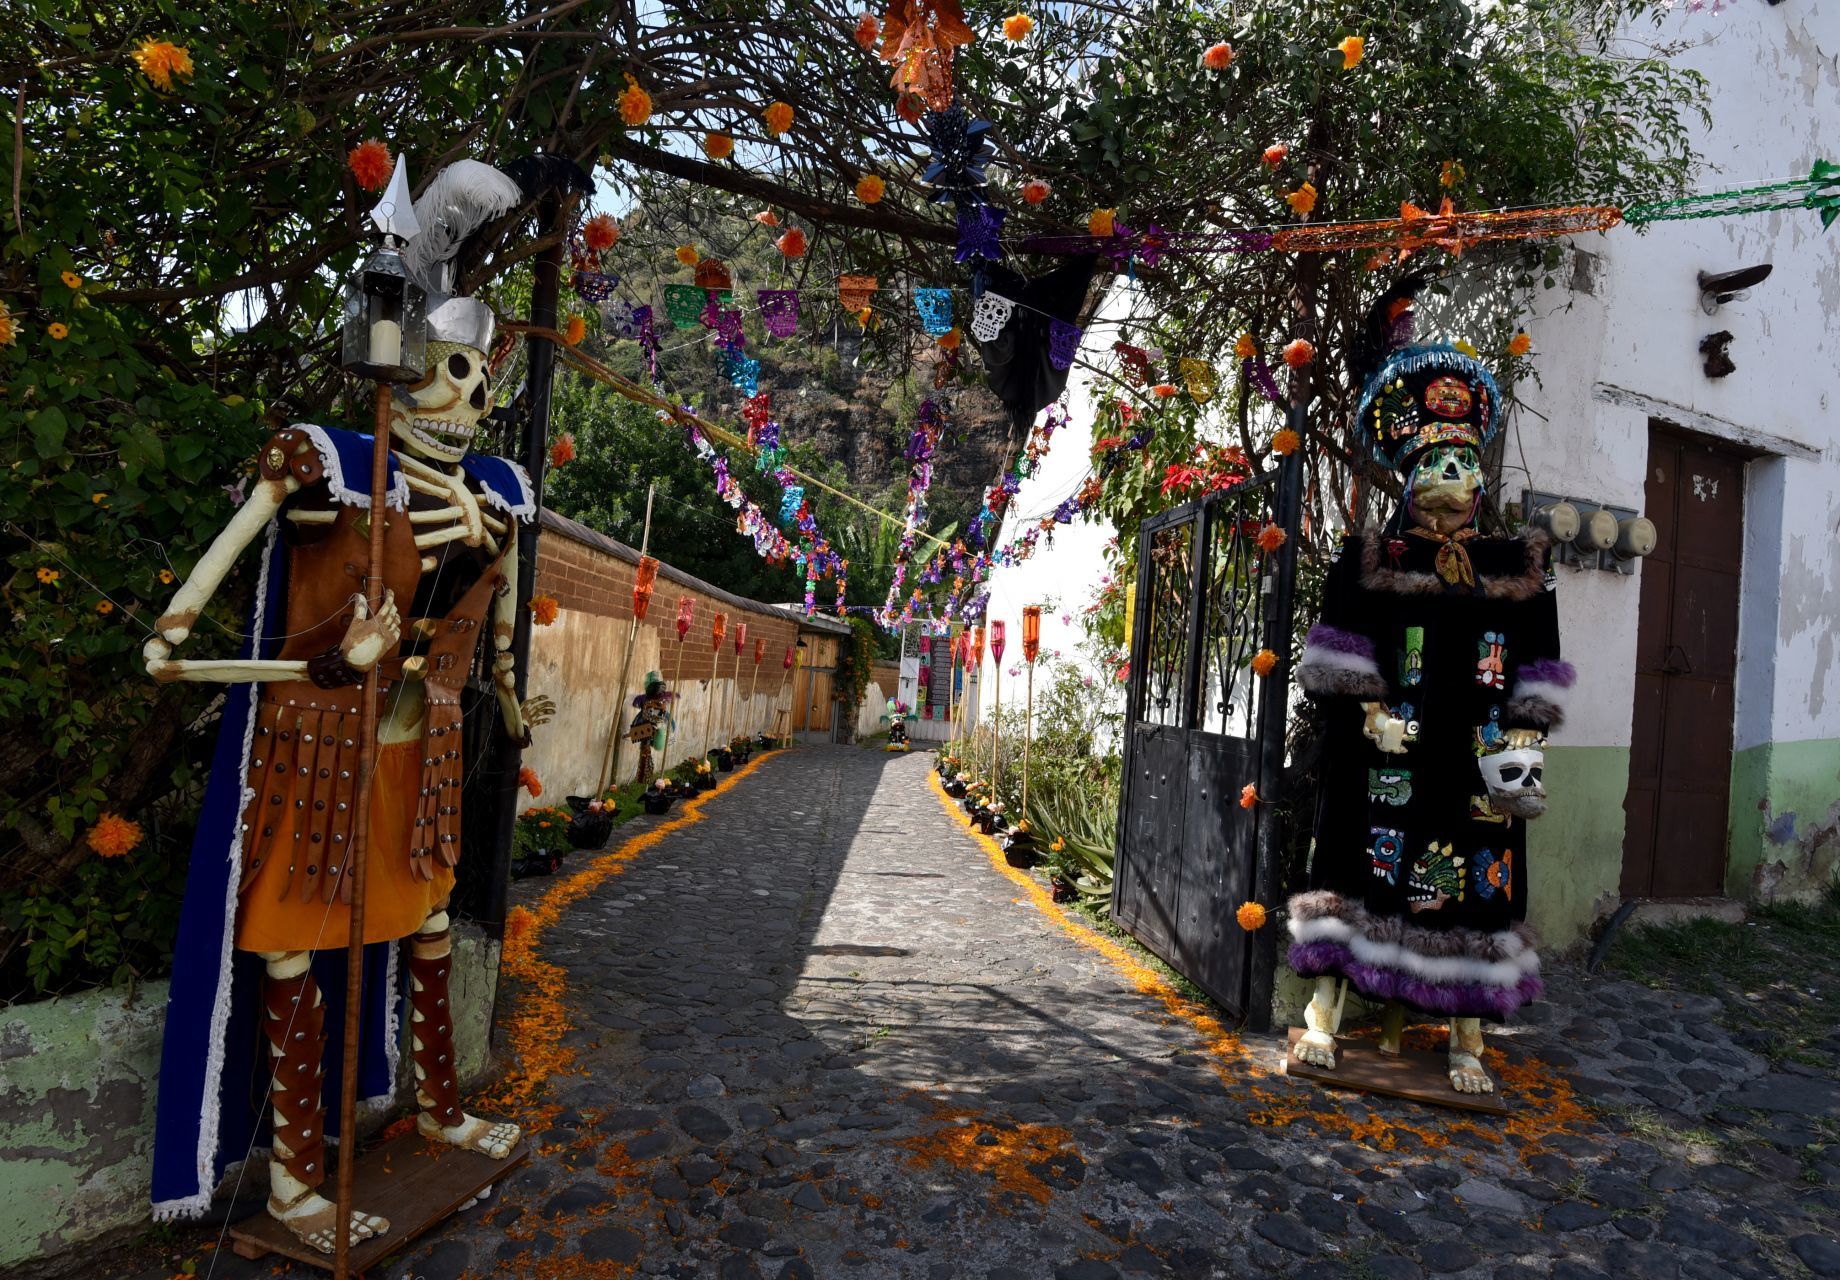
(753,684)
(996,728)
(664,752)
(1028,739)
(358,861)
(610,759)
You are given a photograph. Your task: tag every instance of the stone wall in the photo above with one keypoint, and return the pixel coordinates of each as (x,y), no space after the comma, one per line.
(78,1081)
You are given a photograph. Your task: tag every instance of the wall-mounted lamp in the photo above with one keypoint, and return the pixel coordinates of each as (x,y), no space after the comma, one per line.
(1718,288)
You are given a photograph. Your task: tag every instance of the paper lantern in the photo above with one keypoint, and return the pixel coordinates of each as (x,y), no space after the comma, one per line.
(1031,632)
(997,628)
(686,613)
(716,630)
(642,586)
(740,639)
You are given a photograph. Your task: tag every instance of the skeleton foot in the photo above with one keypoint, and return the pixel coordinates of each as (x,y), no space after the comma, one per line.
(314,1219)
(1316,1048)
(1467,1075)
(472,1134)
(1392,1028)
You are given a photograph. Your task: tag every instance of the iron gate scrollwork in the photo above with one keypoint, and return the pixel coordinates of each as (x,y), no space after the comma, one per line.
(1198,732)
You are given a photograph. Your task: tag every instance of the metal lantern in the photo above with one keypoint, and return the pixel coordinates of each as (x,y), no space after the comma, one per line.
(384,337)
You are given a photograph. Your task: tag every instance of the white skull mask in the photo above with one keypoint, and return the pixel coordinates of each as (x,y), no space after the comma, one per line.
(437,418)
(1513,780)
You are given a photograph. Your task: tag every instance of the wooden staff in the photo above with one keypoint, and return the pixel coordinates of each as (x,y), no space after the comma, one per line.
(610,760)
(996,716)
(357,863)
(760,651)
(1031,649)
(664,752)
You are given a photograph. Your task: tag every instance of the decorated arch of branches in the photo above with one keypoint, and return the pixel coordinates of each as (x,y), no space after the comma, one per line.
(178,212)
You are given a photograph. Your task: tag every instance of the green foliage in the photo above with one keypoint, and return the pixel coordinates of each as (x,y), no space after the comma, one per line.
(855,663)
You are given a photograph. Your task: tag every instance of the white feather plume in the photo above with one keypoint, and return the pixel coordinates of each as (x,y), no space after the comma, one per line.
(462,198)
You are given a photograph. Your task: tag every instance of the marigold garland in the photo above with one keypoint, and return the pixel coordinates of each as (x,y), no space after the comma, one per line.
(870,189)
(718,146)
(543,610)
(778,117)
(161,60)
(370,164)
(1244,347)
(1251,916)
(635,104)
(527,779)
(113,836)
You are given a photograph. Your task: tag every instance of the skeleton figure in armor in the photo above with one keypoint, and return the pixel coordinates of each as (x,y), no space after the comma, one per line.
(271,852)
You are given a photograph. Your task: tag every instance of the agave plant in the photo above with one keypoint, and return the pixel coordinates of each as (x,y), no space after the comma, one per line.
(1081,826)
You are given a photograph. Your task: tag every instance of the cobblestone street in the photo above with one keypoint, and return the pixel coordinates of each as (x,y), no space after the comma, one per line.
(817,1030)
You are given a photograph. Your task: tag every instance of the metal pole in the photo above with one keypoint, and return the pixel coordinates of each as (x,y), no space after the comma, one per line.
(610,759)
(359,861)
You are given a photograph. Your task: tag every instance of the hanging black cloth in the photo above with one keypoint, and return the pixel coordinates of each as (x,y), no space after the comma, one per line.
(1021,374)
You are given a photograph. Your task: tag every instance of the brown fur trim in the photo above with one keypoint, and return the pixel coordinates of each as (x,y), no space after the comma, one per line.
(1469,943)
(1524,585)
(1531,709)
(1329,680)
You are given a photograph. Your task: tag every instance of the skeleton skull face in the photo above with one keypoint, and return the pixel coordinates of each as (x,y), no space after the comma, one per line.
(1443,487)
(437,418)
(1513,779)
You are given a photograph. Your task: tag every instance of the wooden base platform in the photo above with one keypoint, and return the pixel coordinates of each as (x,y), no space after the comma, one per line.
(410,1181)
(1416,1075)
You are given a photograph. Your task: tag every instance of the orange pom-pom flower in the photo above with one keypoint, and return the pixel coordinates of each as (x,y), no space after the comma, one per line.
(718,146)
(1164,390)
(1353,49)
(1520,345)
(870,189)
(562,450)
(574,331)
(1035,190)
(1251,916)
(1299,352)
(1270,538)
(867,29)
(370,164)
(1248,796)
(635,104)
(600,232)
(113,836)
(527,779)
(951,338)
(1244,347)
(1218,56)
(1263,662)
(1284,442)
(778,117)
(1101,221)
(767,218)
(910,107)
(161,60)
(792,244)
(687,254)
(543,610)
(1303,199)
(1273,155)
(1017,26)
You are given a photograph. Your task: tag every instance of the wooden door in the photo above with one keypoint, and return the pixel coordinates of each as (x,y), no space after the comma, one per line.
(1679,796)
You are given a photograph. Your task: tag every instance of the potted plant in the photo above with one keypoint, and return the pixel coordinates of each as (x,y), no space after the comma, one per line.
(724,759)
(705,776)
(741,748)
(659,797)
(591,825)
(1019,847)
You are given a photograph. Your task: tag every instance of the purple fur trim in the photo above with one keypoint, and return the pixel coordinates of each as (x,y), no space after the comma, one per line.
(1323,636)
(1456,1000)
(1549,671)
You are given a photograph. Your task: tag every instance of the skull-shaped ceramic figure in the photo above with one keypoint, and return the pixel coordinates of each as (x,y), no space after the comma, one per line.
(1513,779)
(1443,487)
(438,417)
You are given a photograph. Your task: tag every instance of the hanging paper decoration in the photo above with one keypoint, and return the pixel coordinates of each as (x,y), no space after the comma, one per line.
(713,273)
(935,308)
(779,311)
(1063,343)
(728,329)
(961,149)
(595,286)
(980,228)
(789,503)
(684,304)
(686,614)
(1198,376)
(787,664)
(648,338)
(642,586)
(741,371)
(988,317)
(856,292)
(920,38)
(617,319)
(1255,368)
(1134,362)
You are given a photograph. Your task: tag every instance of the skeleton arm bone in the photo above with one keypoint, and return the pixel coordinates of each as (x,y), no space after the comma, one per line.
(251,518)
(366,640)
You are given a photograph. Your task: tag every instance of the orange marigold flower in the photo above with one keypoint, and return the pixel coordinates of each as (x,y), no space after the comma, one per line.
(1353,49)
(575,331)
(1100,221)
(718,146)
(870,189)
(1303,199)
(1520,345)
(910,107)
(1450,173)
(1165,389)
(113,835)
(58,330)
(1248,796)
(687,254)
(98,498)
(9,332)
(635,104)
(1284,442)
(527,779)
(1263,662)
(105,607)
(1270,538)
(48,576)
(867,29)
(1218,57)
(562,450)
(1299,352)
(543,610)
(166,577)
(1251,916)
(161,60)
(1058,845)
(792,244)
(72,280)
(1035,190)
(1017,26)
(1244,347)
(1274,155)
(600,232)
(951,338)
(370,164)
(767,218)
(779,118)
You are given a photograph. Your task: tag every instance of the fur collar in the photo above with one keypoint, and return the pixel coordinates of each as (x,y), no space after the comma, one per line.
(1506,568)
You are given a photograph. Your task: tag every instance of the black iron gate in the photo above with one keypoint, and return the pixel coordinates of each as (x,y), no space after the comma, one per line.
(1200,727)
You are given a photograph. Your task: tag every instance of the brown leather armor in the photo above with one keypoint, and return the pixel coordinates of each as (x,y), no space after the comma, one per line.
(294,1022)
(437,1082)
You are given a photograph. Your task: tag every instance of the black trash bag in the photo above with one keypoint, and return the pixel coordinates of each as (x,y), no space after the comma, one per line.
(587,829)
(1016,360)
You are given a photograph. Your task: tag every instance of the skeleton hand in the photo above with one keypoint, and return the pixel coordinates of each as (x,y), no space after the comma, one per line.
(156,651)
(1386,730)
(368,638)
(538,710)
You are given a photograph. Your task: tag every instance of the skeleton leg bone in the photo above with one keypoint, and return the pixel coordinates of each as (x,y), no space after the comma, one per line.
(1466,1071)
(1321,1018)
(294,1025)
(437,1087)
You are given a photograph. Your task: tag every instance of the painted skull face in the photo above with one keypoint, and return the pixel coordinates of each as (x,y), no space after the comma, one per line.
(437,418)
(1513,780)
(1444,486)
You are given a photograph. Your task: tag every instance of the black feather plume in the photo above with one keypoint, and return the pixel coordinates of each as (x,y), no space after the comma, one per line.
(545,173)
(1379,336)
